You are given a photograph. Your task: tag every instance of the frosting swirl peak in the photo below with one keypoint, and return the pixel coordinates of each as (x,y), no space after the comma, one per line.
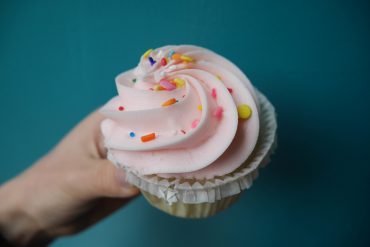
(176,114)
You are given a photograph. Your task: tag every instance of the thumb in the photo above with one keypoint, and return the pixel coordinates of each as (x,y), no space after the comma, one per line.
(110,181)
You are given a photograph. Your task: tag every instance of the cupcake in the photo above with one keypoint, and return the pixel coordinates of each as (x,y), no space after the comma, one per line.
(189,129)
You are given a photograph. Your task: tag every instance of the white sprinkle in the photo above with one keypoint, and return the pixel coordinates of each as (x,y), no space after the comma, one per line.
(171,68)
(159,54)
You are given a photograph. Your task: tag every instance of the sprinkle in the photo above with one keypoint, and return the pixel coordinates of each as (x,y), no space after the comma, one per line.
(171,53)
(148,137)
(121,108)
(244,111)
(230,89)
(164,61)
(171,68)
(167,85)
(159,54)
(152,61)
(146,54)
(132,134)
(219,77)
(218,112)
(169,102)
(200,107)
(186,58)
(158,88)
(134,80)
(214,94)
(176,57)
(183,131)
(195,123)
(184,96)
(179,82)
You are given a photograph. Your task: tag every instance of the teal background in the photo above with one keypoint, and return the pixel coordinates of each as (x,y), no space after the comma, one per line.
(58,60)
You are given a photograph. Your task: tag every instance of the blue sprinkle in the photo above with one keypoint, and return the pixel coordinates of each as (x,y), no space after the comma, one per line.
(171,53)
(152,61)
(132,134)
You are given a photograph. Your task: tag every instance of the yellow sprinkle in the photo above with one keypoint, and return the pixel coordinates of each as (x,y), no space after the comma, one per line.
(200,107)
(219,77)
(146,54)
(244,111)
(186,58)
(179,82)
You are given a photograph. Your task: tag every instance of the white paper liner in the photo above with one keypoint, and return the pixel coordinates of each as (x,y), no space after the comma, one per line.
(192,191)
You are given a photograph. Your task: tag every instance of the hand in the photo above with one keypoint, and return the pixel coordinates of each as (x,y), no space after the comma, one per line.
(69,189)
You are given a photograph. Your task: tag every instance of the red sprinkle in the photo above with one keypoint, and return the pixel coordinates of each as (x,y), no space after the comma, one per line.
(230,90)
(183,131)
(214,94)
(163,62)
(121,108)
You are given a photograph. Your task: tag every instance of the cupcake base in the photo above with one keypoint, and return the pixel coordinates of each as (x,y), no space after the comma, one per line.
(190,198)
(195,211)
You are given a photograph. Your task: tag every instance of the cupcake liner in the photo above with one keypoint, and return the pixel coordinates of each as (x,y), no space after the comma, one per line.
(184,210)
(201,198)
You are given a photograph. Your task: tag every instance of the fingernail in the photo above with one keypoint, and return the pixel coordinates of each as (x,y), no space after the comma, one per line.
(122,178)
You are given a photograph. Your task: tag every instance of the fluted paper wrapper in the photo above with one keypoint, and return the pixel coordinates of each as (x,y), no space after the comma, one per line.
(193,198)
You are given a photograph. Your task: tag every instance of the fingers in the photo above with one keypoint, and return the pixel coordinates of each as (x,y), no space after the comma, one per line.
(83,150)
(111,181)
(85,138)
(90,130)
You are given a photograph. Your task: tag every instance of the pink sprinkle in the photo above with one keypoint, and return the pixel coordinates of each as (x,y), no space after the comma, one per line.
(230,89)
(218,112)
(214,94)
(195,123)
(167,85)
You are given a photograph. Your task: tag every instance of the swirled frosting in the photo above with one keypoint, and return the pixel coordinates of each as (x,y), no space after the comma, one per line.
(184,111)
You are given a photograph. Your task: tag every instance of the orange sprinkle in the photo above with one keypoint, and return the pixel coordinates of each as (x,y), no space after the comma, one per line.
(169,102)
(158,88)
(148,137)
(176,57)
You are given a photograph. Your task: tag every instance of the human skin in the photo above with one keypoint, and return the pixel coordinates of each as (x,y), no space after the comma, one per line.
(69,189)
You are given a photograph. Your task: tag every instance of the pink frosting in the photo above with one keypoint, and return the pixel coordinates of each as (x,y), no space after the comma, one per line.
(189,142)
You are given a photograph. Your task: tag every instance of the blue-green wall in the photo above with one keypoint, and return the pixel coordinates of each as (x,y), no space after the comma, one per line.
(58,60)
